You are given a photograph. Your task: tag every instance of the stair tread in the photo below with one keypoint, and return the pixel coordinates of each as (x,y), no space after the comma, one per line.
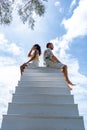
(62,117)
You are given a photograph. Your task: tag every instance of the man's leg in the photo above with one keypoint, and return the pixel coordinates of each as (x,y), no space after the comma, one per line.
(65,72)
(59,65)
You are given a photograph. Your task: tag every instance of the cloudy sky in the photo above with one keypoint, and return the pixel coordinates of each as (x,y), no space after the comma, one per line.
(65,24)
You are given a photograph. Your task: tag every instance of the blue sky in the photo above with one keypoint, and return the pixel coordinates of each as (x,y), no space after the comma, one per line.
(64,24)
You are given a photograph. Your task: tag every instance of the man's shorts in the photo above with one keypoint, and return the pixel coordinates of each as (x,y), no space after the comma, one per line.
(57,65)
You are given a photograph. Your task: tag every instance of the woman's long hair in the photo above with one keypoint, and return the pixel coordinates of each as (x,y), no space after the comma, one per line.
(38,48)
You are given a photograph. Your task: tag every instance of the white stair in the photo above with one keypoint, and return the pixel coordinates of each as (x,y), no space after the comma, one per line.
(42,90)
(43,98)
(24,122)
(42,101)
(43,109)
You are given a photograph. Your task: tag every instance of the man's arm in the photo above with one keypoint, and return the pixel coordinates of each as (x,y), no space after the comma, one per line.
(54,58)
(49,53)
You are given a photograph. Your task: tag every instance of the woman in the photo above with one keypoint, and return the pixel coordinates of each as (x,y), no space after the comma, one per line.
(34,54)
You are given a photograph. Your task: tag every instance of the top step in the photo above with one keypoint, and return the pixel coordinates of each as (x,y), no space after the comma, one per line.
(42,69)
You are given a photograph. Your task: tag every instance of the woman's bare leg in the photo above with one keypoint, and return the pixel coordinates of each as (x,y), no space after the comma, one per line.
(22,67)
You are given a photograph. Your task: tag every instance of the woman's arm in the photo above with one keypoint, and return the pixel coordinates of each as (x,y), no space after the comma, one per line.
(34,55)
(29,54)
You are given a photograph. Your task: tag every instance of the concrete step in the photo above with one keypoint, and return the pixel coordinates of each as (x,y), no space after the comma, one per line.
(43,109)
(31,78)
(19,122)
(42,70)
(43,74)
(42,84)
(42,90)
(43,98)
(40,78)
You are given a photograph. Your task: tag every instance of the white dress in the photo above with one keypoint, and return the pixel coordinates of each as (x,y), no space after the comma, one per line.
(34,63)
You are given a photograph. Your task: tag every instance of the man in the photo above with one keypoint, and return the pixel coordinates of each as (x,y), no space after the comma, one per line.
(52,61)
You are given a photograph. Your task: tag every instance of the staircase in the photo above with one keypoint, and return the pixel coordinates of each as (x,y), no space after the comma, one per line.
(42,101)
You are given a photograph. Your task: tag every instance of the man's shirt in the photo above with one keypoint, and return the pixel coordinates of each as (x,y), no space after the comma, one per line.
(48,56)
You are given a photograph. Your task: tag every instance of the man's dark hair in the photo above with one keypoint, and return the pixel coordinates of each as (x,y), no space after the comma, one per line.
(47,45)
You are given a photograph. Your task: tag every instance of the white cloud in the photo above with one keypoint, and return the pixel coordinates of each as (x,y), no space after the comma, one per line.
(12,48)
(72,4)
(77,24)
(21,28)
(9,77)
(9,73)
(58,4)
(10,52)
(5,61)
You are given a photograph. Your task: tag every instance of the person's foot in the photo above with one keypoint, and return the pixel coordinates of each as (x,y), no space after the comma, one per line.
(70,83)
(69,87)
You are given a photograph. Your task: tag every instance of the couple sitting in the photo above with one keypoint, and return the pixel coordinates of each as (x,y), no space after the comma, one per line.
(49,58)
